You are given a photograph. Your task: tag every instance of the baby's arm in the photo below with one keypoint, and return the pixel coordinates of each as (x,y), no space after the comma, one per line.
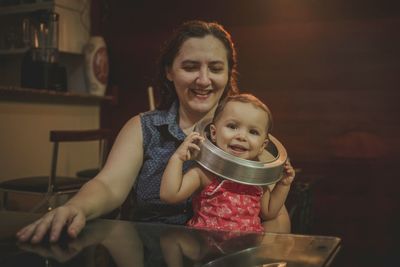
(273,200)
(176,187)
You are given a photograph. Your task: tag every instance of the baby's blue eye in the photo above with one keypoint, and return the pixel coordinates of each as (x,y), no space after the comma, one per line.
(231,126)
(254,132)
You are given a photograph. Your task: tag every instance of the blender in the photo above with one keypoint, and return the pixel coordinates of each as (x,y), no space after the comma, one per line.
(40,66)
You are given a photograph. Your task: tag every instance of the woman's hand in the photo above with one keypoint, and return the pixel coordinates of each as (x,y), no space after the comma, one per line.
(184,151)
(63,251)
(57,251)
(68,216)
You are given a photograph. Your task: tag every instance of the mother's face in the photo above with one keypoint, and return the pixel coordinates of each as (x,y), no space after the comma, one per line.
(199,73)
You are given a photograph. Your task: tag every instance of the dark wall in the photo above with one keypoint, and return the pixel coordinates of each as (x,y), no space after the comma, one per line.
(329,72)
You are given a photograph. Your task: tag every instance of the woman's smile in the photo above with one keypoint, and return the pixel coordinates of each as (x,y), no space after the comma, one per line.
(200,93)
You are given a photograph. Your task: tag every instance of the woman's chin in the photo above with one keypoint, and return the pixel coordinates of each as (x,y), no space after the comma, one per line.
(202,107)
(204,103)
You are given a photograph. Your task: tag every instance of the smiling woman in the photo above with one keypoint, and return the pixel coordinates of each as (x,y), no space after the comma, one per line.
(148,141)
(199,74)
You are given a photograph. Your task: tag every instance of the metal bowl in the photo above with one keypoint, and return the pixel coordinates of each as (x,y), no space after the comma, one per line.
(240,170)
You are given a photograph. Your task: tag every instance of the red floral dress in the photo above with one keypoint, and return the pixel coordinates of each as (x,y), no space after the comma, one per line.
(227,205)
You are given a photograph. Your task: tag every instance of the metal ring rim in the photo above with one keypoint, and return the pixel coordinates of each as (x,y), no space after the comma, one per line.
(230,167)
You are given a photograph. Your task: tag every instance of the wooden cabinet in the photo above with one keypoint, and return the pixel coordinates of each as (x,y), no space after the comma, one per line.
(27,116)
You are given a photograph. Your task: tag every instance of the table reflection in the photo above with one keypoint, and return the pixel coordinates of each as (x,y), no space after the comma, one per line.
(121,243)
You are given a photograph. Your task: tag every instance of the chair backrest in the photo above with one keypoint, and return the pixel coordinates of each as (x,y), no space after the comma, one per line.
(58,136)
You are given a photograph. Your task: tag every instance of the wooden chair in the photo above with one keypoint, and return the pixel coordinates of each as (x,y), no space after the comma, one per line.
(50,186)
(299,205)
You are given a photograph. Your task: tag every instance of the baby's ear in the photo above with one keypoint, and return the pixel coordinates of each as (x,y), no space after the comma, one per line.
(213,134)
(264,145)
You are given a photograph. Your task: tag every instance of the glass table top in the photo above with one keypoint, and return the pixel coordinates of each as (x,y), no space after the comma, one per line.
(123,243)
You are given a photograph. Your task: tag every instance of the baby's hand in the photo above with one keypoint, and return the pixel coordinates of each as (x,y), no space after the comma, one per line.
(184,150)
(288,174)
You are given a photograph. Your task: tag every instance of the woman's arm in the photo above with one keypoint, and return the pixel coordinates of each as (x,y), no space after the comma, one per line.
(101,194)
(112,185)
(176,187)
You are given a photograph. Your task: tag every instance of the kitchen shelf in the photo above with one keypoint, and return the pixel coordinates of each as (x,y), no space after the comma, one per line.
(21,8)
(33,5)
(42,95)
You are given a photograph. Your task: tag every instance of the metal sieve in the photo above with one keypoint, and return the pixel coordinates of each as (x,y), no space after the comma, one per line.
(236,169)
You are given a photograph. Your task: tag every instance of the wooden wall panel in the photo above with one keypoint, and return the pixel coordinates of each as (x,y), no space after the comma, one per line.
(330,84)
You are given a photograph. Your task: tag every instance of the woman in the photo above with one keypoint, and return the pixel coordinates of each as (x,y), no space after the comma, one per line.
(197,69)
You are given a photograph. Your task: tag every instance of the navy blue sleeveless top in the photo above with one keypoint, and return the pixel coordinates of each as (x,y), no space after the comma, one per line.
(161,137)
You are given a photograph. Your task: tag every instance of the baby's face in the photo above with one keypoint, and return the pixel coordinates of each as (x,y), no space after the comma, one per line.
(241,130)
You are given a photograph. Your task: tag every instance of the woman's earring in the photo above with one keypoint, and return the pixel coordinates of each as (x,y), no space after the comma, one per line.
(167,74)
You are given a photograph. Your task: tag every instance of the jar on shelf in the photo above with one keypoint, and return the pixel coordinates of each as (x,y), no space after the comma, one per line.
(96,65)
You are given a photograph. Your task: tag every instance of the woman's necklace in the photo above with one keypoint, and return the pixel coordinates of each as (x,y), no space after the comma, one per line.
(189,129)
